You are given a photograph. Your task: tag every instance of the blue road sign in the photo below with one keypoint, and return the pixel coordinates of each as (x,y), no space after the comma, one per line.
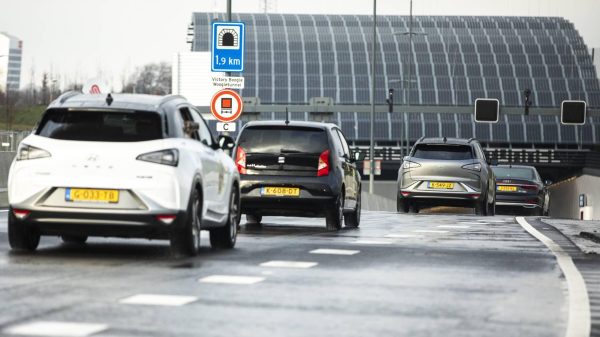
(228,46)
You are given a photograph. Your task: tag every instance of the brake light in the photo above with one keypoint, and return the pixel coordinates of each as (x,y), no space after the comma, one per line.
(167,219)
(240,160)
(323,167)
(21,213)
(529,187)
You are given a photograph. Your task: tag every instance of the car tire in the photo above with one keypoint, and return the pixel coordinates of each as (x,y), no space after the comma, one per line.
(226,236)
(74,239)
(352,220)
(481,207)
(335,216)
(413,208)
(185,238)
(402,205)
(253,219)
(491,208)
(21,236)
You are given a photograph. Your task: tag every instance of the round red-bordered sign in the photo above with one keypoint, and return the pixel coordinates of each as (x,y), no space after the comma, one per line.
(217,109)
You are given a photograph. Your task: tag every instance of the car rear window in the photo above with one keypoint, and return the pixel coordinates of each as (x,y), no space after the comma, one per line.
(105,126)
(514,172)
(285,139)
(443,152)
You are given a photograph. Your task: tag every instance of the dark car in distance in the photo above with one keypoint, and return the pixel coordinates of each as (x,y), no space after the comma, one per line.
(301,169)
(446,172)
(521,187)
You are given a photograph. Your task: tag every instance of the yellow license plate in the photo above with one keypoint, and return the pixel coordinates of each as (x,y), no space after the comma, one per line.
(503,188)
(441,186)
(280,191)
(91,195)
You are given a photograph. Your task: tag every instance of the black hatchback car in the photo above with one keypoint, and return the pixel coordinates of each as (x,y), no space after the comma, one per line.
(301,169)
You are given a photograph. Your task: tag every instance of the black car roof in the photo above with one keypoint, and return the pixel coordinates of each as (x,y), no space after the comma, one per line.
(119,101)
(317,125)
(515,166)
(452,141)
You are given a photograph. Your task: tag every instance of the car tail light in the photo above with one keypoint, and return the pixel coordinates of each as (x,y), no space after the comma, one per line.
(21,213)
(475,195)
(405,194)
(167,219)
(240,160)
(530,188)
(473,167)
(165,157)
(27,152)
(323,167)
(409,164)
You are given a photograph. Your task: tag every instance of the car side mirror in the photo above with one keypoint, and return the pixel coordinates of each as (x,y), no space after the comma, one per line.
(190,127)
(547,182)
(226,143)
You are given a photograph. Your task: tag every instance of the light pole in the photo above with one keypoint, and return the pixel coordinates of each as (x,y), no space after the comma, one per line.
(373,78)
(6,94)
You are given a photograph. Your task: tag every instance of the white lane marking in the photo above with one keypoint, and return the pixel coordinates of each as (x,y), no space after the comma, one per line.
(372,242)
(430,231)
(453,226)
(267,272)
(289,264)
(327,251)
(152,299)
(470,223)
(403,236)
(231,279)
(579,323)
(65,329)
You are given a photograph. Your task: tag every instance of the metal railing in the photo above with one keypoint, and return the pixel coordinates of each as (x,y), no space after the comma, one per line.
(10,140)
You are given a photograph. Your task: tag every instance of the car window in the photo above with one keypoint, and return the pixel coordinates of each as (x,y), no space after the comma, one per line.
(480,153)
(337,143)
(103,126)
(186,116)
(203,131)
(344,143)
(514,172)
(276,139)
(443,152)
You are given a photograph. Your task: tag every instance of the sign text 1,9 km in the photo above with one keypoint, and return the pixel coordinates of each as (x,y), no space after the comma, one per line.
(228,46)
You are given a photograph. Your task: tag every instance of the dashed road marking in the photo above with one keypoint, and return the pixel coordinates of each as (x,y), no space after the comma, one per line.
(164,300)
(64,329)
(430,231)
(326,251)
(403,236)
(454,226)
(579,323)
(289,264)
(232,279)
(372,242)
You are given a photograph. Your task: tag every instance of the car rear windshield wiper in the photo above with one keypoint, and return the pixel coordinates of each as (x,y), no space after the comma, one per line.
(290,151)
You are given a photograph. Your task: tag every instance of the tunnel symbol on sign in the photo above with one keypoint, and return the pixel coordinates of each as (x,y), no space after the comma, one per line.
(228,38)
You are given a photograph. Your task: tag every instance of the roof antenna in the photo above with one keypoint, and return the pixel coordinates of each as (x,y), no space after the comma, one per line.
(109,99)
(287,116)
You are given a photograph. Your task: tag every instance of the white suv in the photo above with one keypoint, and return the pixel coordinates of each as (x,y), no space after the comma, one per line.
(123,166)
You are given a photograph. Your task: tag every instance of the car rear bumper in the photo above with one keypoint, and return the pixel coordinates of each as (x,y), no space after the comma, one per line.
(105,224)
(317,195)
(525,201)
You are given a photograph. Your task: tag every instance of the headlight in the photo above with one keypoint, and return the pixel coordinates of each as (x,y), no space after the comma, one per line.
(26,152)
(164,157)
(473,167)
(409,164)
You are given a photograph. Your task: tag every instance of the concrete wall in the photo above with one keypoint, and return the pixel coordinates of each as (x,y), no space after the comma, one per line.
(564,197)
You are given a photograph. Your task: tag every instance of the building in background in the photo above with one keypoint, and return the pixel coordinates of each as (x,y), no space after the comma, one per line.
(11,50)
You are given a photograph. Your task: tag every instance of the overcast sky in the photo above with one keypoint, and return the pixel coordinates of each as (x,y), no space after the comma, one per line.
(81,39)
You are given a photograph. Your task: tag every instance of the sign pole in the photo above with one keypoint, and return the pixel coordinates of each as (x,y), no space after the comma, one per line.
(371,147)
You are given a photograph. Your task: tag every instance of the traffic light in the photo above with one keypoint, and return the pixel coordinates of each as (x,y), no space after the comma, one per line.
(390,100)
(528,102)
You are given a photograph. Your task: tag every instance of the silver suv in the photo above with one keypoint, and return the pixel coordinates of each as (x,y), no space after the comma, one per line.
(446,172)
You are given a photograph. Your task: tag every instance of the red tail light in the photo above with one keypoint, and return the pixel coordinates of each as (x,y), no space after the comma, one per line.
(323,167)
(21,213)
(405,194)
(240,160)
(531,188)
(166,218)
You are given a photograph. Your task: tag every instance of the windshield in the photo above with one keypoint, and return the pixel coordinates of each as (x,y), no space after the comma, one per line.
(283,140)
(443,152)
(514,172)
(107,126)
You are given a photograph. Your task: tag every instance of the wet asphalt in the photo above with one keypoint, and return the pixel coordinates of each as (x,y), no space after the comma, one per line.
(400,275)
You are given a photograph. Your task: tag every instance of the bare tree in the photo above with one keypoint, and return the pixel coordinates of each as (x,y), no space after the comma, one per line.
(153,78)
